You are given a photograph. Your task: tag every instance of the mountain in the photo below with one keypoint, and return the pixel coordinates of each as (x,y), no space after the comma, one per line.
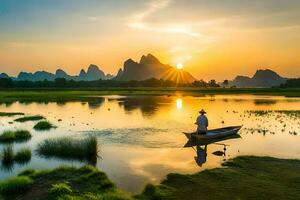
(37,76)
(93,73)
(262,78)
(150,67)
(3,75)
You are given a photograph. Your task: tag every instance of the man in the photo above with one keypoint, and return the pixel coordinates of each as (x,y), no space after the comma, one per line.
(202,123)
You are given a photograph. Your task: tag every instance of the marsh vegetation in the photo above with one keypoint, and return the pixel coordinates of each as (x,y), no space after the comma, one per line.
(29,118)
(43,125)
(68,148)
(15,136)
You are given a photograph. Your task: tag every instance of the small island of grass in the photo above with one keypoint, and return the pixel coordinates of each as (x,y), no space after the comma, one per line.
(10,114)
(67,148)
(29,118)
(43,125)
(9,157)
(15,136)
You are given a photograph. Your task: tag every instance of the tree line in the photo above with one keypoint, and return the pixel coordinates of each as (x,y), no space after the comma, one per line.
(64,83)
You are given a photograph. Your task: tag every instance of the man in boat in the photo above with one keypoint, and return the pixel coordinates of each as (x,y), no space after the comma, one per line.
(202,123)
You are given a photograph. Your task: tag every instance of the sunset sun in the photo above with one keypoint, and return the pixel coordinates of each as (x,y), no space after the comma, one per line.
(179,65)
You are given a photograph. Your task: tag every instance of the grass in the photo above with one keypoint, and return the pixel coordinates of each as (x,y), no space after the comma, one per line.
(43,125)
(23,155)
(82,149)
(246,177)
(8,156)
(15,186)
(29,118)
(69,183)
(10,114)
(15,136)
(84,94)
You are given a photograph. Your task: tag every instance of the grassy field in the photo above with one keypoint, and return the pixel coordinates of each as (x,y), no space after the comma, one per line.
(48,95)
(244,177)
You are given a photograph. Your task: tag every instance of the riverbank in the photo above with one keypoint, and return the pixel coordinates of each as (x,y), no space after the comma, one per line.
(245,177)
(83,94)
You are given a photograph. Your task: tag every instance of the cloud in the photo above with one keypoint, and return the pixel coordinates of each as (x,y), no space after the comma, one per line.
(139,20)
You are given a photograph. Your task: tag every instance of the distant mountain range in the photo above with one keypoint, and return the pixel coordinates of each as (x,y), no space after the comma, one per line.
(262,78)
(150,67)
(93,73)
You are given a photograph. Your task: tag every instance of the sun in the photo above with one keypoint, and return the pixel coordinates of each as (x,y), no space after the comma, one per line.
(179,65)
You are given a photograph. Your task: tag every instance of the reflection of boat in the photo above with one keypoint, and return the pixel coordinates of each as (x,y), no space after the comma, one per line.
(212,136)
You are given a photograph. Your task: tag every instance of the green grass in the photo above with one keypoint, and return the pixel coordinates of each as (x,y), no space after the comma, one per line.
(23,155)
(43,125)
(60,189)
(10,114)
(67,148)
(7,155)
(15,136)
(29,118)
(83,94)
(244,177)
(15,186)
(71,183)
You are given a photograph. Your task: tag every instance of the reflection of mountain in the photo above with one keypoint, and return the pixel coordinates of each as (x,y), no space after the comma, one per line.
(147,104)
(262,78)
(150,67)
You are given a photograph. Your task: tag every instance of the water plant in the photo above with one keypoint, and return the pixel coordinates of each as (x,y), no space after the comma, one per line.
(43,125)
(23,155)
(7,155)
(82,149)
(17,136)
(29,118)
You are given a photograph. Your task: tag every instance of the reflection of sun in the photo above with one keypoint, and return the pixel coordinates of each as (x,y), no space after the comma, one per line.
(178,104)
(179,65)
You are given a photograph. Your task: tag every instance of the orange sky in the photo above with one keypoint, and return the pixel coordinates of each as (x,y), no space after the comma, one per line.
(212,39)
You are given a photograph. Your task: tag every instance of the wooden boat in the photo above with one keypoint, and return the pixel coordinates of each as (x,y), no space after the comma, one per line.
(212,136)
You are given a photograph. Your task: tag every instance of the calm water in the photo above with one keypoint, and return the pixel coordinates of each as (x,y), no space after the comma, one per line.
(141,137)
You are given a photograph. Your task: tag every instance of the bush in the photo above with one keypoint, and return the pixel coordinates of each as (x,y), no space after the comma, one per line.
(69,148)
(23,155)
(29,118)
(16,185)
(60,189)
(43,125)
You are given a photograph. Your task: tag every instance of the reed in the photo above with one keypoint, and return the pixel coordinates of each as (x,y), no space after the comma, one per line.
(15,136)
(67,148)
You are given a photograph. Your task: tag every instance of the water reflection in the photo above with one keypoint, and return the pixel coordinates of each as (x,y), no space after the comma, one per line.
(179,104)
(141,137)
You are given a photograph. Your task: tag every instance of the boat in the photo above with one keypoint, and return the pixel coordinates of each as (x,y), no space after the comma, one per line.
(212,136)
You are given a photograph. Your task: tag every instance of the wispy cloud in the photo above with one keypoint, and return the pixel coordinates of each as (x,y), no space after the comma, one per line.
(139,20)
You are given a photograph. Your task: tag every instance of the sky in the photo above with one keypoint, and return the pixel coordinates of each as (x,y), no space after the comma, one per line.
(213,39)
